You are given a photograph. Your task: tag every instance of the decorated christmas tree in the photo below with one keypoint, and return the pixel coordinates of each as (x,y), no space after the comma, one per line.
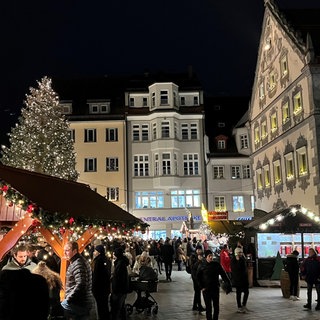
(41,142)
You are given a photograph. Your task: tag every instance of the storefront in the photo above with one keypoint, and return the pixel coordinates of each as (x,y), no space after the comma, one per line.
(282,230)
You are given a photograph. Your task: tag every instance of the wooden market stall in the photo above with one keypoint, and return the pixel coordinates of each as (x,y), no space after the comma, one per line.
(56,208)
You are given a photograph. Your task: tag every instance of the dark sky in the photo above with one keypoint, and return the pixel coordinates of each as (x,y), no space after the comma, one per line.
(219,38)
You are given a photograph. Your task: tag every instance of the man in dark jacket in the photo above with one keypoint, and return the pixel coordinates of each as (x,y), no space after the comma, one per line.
(292,267)
(208,279)
(167,253)
(101,274)
(78,302)
(310,271)
(240,279)
(119,285)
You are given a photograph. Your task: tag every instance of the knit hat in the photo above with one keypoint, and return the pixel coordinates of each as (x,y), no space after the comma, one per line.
(118,252)
(237,251)
(100,249)
(207,252)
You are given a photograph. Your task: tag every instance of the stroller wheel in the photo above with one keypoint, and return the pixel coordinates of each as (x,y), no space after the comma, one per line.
(129,309)
(155,310)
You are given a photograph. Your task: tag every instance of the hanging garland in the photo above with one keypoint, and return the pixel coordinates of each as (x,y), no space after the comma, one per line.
(60,221)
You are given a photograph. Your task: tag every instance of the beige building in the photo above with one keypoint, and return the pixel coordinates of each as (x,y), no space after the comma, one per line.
(284,112)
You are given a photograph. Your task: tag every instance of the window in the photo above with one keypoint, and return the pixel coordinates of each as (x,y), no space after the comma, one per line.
(165,129)
(72,134)
(193,131)
(238,203)
(289,166)
(164,100)
(221,144)
(264,130)
(190,164)
(302,161)
(244,142)
(145,132)
(284,66)
(189,131)
(90,165)
(131,102)
(140,132)
(277,172)
(235,172)
(175,163)
(185,198)
(144,102)
(183,101)
(176,130)
(111,134)
(166,164)
(153,99)
(66,108)
(272,80)
(285,112)
(259,179)
(297,103)
(136,132)
(256,135)
(90,135)
(218,172)
(154,131)
(196,101)
(156,165)
(266,171)
(99,107)
(112,164)
(246,171)
(274,122)
(149,199)
(219,203)
(141,165)
(252,203)
(113,193)
(261,91)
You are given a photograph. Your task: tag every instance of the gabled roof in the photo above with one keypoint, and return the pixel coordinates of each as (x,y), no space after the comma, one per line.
(68,199)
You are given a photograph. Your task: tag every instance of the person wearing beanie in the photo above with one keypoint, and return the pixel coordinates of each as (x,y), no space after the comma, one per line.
(101,274)
(119,284)
(240,279)
(291,264)
(208,278)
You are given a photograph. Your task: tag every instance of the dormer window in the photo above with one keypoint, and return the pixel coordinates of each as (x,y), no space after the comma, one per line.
(66,108)
(164,100)
(183,101)
(196,101)
(101,107)
(221,144)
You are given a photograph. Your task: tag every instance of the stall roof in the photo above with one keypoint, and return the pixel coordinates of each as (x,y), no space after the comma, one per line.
(66,197)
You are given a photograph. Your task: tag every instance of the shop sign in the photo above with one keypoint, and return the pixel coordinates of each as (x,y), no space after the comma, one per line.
(169,218)
(217,215)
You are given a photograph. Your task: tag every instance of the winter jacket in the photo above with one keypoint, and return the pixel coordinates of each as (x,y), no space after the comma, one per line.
(13,264)
(239,272)
(310,269)
(120,277)
(79,282)
(101,275)
(208,275)
(225,260)
(167,253)
(292,264)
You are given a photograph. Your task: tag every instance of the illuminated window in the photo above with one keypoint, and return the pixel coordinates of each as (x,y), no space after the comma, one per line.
(274,122)
(264,131)
(220,203)
(257,135)
(185,198)
(259,179)
(266,172)
(277,172)
(289,162)
(149,199)
(297,103)
(284,66)
(285,112)
(302,161)
(238,203)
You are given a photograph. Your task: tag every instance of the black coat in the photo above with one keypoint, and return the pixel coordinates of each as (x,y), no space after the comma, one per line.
(310,269)
(239,272)
(101,274)
(167,253)
(292,265)
(120,277)
(23,295)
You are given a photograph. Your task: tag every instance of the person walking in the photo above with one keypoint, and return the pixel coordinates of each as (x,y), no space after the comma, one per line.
(225,260)
(292,267)
(101,274)
(180,256)
(208,279)
(55,286)
(78,303)
(310,272)
(119,285)
(167,253)
(240,279)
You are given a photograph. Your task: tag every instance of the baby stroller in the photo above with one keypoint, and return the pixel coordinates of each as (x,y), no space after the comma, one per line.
(144,287)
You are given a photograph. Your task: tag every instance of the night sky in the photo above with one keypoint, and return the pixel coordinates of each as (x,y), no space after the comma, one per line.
(67,38)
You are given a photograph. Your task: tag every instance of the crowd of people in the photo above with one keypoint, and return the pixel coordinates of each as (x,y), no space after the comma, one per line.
(97,288)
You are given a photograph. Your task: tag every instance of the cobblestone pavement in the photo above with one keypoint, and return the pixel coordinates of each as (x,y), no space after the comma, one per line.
(175,299)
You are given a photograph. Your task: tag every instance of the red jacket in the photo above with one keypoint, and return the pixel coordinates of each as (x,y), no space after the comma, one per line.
(225,260)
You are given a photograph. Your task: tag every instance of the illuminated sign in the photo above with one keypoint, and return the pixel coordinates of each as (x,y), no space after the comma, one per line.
(169,218)
(217,215)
